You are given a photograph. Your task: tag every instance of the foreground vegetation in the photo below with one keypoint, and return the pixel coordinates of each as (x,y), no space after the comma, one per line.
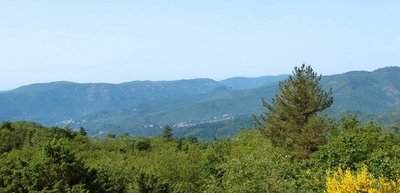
(38,159)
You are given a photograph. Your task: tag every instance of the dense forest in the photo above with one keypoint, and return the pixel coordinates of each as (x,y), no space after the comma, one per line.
(294,147)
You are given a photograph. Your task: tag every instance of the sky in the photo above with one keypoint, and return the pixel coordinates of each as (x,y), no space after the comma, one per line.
(123,40)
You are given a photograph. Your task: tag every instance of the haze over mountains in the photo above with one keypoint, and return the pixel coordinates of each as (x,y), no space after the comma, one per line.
(142,107)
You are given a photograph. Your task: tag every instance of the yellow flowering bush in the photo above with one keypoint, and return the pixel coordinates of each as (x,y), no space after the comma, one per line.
(344,181)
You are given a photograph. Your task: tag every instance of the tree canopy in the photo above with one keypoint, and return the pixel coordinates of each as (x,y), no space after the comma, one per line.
(167,132)
(292,120)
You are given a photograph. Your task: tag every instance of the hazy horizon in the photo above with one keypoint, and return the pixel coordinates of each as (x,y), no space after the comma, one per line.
(113,42)
(103,82)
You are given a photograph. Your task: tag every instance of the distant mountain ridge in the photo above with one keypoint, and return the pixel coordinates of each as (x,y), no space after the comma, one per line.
(141,107)
(244,83)
(51,102)
(373,92)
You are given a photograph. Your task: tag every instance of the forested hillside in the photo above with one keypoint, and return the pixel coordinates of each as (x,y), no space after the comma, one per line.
(50,103)
(374,92)
(143,107)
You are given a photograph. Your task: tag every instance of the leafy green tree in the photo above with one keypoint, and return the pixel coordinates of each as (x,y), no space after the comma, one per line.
(395,128)
(111,135)
(15,135)
(167,132)
(148,183)
(53,168)
(6,125)
(352,145)
(251,165)
(143,145)
(292,119)
(60,133)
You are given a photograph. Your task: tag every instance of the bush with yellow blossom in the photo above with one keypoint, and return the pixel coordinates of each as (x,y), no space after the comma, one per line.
(345,181)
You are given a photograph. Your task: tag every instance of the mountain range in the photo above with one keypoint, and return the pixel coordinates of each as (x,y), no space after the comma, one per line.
(190,106)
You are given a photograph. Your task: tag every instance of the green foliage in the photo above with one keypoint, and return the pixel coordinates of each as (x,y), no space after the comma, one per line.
(40,159)
(51,168)
(251,164)
(82,131)
(17,134)
(167,132)
(60,133)
(148,183)
(111,135)
(351,145)
(143,145)
(292,120)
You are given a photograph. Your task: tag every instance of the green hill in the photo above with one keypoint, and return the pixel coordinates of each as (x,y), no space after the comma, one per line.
(243,83)
(143,107)
(53,102)
(369,92)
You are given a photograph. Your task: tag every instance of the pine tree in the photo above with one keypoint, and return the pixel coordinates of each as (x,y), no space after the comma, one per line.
(82,131)
(292,119)
(167,132)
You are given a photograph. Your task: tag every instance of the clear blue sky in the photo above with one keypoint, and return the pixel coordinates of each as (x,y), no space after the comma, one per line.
(117,41)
